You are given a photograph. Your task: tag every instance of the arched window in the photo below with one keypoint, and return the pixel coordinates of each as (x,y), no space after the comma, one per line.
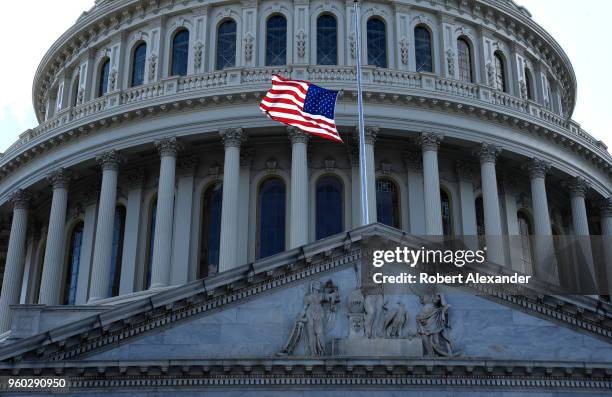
(328,206)
(103,79)
(422,49)
(226,45)
(500,72)
(447,219)
(387,202)
(528,83)
(117,251)
(180,53)
(327,40)
(150,243)
(139,59)
(464,57)
(377,42)
(271,209)
(276,40)
(525,231)
(211,230)
(72,268)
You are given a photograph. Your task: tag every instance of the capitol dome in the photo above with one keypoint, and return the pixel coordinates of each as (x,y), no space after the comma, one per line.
(153,173)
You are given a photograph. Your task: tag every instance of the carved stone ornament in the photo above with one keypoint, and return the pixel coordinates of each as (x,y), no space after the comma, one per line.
(59,179)
(578,186)
(385,167)
(487,153)
(432,325)
(329,164)
(168,146)
(187,165)
(412,160)
(429,141)
(246,157)
(371,133)
(403,44)
(214,171)
(80,95)
(152,66)
(450,62)
(112,79)
(197,54)
(490,74)
(271,165)
(352,45)
(523,88)
(76,211)
(301,43)
(20,199)
(316,316)
(233,137)
(109,160)
(537,168)
(248,46)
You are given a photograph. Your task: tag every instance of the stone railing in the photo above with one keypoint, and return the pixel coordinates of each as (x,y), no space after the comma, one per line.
(238,80)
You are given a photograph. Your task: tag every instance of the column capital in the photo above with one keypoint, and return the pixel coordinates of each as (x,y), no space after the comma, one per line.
(110,160)
(412,160)
(429,141)
(59,178)
(606,207)
(577,186)
(536,168)
(233,137)
(135,178)
(187,165)
(168,147)
(20,199)
(464,171)
(92,194)
(487,153)
(371,134)
(297,136)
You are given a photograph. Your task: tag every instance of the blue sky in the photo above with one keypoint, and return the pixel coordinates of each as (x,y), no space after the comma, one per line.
(577,25)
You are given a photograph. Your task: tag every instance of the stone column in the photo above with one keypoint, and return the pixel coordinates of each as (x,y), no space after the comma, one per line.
(578,188)
(14,265)
(416,210)
(135,180)
(298,232)
(164,219)
(546,264)
(606,234)
(182,220)
(490,199)
(466,198)
(90,202)
(430,143)
(103,247)
(51,280)
(371,133)
(246,160)
(232,139)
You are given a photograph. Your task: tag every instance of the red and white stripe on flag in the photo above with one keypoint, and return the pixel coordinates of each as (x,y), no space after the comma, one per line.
(286,100)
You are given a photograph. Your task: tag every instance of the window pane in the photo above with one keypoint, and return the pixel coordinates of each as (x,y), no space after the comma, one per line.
(328,206)
(500,74)
(327,40)
(226,45)
(138,64)
(271,217)
(72,272)
(180,53)
(276,41)
(211,231)
(117,251)
(465,61)
(377,43)
(528,84)
(103,81)
(422,48)
(387,203)
(447,229)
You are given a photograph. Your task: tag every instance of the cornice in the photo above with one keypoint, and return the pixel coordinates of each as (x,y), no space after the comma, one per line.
(113,327)
(317,373)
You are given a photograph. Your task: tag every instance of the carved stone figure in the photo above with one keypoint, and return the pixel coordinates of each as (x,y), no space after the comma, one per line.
(248,47)
(318,312)
(373,307)
(152,66)
(197,58)
(490,74)
(301,43)
(404,50)
(450,62)
(432,325)
(395,321)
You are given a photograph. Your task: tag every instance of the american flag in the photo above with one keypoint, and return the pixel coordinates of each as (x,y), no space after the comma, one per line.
(303,105)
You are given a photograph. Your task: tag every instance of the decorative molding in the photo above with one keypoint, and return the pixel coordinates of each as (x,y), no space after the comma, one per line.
(537,168)
(577,186)
(233,137)
(20,199)
(110,160)
(371,134)
(429,141)
(487,153)
(60,178)
(296,135)
(168,146)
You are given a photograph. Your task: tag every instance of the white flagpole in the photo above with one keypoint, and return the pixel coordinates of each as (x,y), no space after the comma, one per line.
(362,157)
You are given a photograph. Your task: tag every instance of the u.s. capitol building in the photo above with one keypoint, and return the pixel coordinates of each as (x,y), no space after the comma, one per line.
(159,234)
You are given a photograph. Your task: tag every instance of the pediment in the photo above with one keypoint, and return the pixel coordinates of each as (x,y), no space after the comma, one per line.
(260,304)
